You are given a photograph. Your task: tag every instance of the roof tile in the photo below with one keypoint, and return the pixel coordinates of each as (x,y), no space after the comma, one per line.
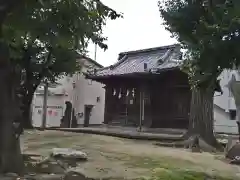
(159,58)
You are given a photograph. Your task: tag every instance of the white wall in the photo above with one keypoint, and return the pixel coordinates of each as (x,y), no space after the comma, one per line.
(222,122)
(225,102)
(84,93)
(55,111)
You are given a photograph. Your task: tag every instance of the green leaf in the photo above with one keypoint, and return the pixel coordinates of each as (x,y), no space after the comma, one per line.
(44,35)
(210,34)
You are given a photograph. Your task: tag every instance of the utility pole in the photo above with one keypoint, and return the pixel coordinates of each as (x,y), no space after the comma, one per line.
(73,103)
(44,115)
(95,52)
(71,116)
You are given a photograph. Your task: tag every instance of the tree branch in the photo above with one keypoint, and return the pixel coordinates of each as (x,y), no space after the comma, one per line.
(44,70)
(6,6)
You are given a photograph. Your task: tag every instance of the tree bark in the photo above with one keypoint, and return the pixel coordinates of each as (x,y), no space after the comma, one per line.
(26,114)
(10,153)
(201,116)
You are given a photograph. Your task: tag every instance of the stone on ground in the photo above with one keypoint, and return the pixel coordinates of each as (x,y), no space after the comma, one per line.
(51,167)
(44,177)
(72,175)
(236,160)
(68,154)
(233,152)
(13,175)
(59,163)
(230,143)
(46,166)
(222,141)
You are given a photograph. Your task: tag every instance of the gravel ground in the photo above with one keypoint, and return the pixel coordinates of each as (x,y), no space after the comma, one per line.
(111,157)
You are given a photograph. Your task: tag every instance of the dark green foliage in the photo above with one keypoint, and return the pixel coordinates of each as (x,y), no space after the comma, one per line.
(38,40)
(209,30)
(67,22)
(45,36)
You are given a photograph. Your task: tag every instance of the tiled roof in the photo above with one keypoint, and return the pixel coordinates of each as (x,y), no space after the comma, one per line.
(144,61)
(90,60)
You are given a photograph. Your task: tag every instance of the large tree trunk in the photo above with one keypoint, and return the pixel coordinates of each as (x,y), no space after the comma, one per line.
(200,135)
(201,116)
(10,153)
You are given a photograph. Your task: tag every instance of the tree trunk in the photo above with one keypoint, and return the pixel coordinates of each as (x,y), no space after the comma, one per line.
(10,153)
(27,119)
(201,116)
(26,114)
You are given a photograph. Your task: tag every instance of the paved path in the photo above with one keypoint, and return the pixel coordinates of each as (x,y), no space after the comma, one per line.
(130,133)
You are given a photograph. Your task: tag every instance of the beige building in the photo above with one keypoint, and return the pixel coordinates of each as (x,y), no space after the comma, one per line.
(86,96)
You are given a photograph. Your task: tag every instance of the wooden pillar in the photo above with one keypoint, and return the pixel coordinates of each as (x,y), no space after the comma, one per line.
(142,108)
(108,101)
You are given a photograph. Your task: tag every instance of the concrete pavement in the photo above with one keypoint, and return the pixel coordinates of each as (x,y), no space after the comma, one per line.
(130,133)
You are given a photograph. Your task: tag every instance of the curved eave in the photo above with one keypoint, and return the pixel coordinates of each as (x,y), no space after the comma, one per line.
(137,75)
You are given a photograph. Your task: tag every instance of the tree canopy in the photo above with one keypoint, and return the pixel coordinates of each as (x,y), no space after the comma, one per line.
(209,30)
(45,36)
(39,39)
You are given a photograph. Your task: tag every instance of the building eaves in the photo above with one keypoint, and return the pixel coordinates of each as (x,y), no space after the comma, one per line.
(143,61)
(147,50)
(90,60)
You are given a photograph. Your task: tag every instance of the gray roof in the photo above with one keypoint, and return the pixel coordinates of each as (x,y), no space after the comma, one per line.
(90,60)
(144,61)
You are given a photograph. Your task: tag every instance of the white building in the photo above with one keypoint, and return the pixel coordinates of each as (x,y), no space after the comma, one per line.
(86,96)
(225,115)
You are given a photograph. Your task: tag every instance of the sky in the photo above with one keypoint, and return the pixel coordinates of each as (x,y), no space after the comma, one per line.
(141,27)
